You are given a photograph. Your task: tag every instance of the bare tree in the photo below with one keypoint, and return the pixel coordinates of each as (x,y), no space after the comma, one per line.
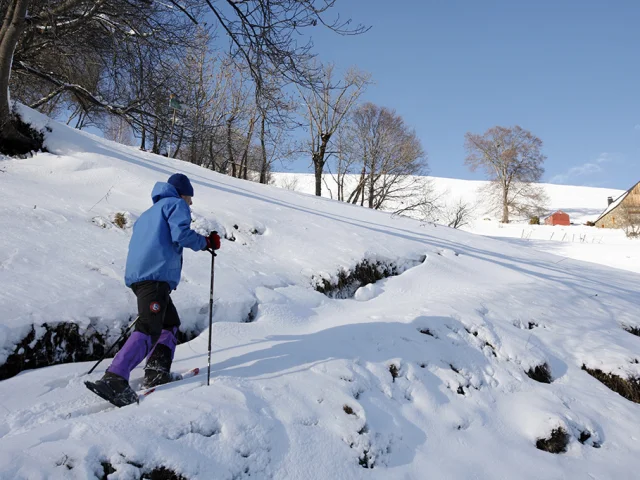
(289,183)
(512,159)
(325,109)
(13,25)
(240,121)
(275,144)
(118,130)
(347,160)
(276,110)
(264,36)
(391,157)
(64,44)
(458,214)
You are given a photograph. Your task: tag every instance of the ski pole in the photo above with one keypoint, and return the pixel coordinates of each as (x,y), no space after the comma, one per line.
(213,258)
(114,344)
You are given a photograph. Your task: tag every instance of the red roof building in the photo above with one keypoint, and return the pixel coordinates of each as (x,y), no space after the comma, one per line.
(558,218)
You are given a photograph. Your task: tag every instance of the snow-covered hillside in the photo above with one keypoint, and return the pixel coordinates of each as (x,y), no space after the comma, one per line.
(580,242)
(581,203)
(420,375)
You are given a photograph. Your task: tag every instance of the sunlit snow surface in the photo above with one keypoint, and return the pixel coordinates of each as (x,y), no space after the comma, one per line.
(460,406)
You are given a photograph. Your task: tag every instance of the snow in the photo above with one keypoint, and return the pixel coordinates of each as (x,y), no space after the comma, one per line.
(603,246)
(305,390)
(581,203)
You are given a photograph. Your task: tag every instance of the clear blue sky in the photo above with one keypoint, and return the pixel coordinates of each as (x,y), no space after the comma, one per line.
(568,70)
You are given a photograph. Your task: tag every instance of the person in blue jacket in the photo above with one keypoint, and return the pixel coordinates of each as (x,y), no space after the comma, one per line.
(153,270)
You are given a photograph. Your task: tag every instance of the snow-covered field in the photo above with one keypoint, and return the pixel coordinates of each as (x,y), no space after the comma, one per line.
(581,203)
(420,375)
(603,246)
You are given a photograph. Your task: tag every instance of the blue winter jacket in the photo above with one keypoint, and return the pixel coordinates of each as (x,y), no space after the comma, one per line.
(159,235)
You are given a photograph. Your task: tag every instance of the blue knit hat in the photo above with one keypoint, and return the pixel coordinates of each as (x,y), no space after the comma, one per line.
(181,183)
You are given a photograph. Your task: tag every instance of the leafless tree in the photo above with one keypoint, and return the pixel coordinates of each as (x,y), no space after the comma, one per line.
(275,142)
(64,44)
(392,160)
(512,160)
(241,116)
(347,160)
(276,110)
(118,130)
(325,109)
(290,183)
(264,36)
(458,214)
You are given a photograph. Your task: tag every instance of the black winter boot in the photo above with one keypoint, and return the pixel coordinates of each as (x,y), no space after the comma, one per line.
(114,389)
(157,371)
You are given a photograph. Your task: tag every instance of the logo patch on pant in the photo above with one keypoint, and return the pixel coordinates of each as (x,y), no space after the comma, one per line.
(155,307)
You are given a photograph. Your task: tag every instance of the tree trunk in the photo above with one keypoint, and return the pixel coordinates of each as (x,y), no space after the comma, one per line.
(212,160)
(263,148)
(143,139)
(179,143)
(230,147)
(505,205)
(245,155)
(12,27)
(156,147)
(372,183)
(318,161)
(318,168)
(355,195)
(81,118)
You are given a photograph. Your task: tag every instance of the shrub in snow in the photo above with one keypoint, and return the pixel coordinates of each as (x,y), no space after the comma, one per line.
(347,282)
(541,373)
(158,473)
(628,388)
(535,220)
(585,438)
(15,147)
(365,461)
(107,469)
(556,443)
(162,473)
(120,220)
(394,371)
(49,345)
(632,330)
(348,410)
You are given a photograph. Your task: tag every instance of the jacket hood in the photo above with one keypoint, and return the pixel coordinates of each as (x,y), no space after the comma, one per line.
(163,190)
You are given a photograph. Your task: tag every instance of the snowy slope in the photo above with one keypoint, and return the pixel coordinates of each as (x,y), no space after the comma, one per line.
(306,390)
(603,246)
(581,203)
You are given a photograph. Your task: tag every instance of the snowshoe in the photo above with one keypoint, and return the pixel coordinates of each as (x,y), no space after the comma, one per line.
(114,389)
